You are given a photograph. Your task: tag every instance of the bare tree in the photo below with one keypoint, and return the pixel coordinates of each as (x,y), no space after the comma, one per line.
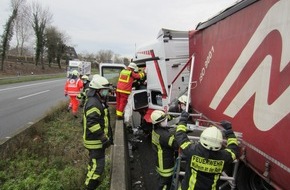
(126,60)
(40,19)
(117,58)
(8,30)
(23,30)
(62,47)
(105,56)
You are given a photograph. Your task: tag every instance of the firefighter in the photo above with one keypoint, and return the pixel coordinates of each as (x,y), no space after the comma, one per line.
(72,88)
(165,147)
(128,111)
(97,130)
(180,105)
(124,87)
(82,96)
(140,84)
(207,159)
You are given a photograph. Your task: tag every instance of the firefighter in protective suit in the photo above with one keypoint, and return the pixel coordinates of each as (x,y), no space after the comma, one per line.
(180,105)
(83,94)
(124,87)
(207,159)
(72,88)
(97,130)
(165,147)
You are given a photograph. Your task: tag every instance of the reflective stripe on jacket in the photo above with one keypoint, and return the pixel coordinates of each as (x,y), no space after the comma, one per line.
(204,167)
(73,86)
(96,122)
(126,79)
(164,146)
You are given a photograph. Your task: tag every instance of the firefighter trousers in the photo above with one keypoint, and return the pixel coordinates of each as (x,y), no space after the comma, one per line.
(164,183)
(122,100)
(95,169)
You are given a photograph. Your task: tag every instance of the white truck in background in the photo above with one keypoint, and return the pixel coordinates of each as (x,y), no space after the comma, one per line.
(83,67)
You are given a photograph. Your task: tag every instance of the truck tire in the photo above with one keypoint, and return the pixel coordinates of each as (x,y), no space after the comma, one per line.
(249,180)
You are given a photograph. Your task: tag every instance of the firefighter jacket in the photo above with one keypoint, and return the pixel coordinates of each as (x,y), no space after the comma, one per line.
(126,79)
(73,86)
(82,95)
(165,147)
(204,167)
(96,122)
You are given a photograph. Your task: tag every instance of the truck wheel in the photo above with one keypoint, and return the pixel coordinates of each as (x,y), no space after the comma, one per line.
(249,180)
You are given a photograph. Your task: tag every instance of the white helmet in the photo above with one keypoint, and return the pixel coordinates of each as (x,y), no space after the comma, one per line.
(182,99)
(75,73)
(133,66)
(158,116)
(211,138)
(85,77)
(99,82)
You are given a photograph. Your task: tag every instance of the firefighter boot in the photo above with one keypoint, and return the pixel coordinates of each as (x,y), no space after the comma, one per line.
(128,127)
(120,117)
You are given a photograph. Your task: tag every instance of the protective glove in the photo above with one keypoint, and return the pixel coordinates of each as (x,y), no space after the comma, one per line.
(183,118)
(79,96)
(112,141)
(105,142)
(228,127)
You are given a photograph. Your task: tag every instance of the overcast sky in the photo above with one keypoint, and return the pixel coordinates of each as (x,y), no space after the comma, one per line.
(119,25)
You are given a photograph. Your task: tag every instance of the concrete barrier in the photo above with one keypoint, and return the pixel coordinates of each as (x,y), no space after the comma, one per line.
(120,176)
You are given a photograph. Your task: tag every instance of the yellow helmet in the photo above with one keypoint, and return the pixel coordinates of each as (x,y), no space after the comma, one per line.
(85,77)
(75,73)
(211,138)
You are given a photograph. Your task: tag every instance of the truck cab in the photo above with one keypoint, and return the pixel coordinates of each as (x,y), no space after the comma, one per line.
(165,63)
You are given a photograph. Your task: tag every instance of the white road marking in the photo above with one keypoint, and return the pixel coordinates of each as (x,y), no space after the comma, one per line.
(33,94)
(23,86)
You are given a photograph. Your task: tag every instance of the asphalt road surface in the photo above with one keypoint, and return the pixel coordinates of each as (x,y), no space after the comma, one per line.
(22,104)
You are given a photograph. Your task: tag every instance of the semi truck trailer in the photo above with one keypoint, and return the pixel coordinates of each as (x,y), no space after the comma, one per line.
(237,65)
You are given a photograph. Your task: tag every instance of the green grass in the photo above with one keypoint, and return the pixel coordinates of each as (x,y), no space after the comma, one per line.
(49,156)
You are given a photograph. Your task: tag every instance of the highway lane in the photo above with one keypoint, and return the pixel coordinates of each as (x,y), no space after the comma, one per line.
(22,104)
